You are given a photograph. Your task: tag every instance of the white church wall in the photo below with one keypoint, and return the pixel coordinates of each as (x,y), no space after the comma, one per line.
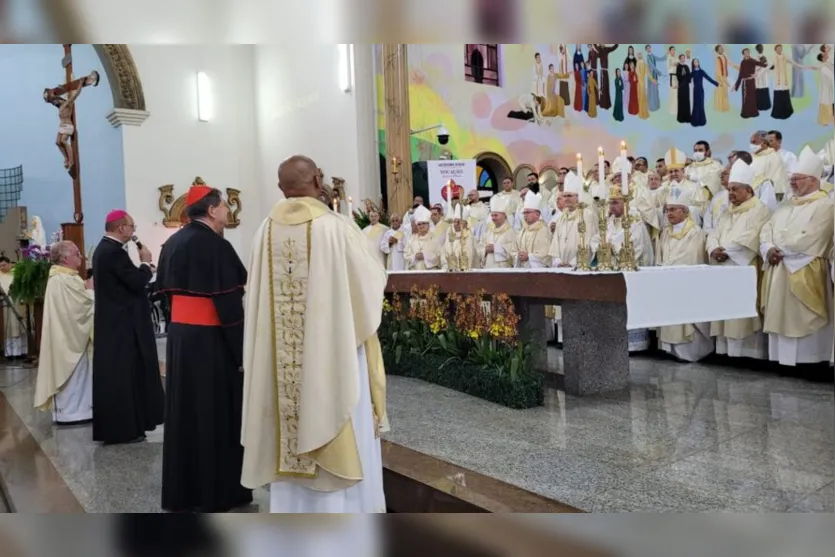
(173,147)
(301,109)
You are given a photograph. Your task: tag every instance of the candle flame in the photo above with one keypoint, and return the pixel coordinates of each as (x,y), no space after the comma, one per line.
(600,151)
(623,145)
(350,200)
(579,156)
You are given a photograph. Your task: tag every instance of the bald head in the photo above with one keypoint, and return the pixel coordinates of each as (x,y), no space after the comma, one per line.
(299,176)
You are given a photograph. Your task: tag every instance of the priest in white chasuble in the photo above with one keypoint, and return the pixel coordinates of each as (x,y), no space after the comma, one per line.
(14,335)
(718,203)
(768,163)
(478,216)
(393,244)
(314,384)
(511,197)
(533,243)
(374,233)
(683,243)
(704,169)
(797,289)
(423,250)
(497,248)
(459,249)
(65,366)
(736,242)
(567,239)
(698,194)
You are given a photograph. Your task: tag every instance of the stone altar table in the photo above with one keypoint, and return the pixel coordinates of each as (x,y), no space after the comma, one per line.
(599,308)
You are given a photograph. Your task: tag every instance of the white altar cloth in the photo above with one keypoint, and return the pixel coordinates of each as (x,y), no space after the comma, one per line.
(661,296)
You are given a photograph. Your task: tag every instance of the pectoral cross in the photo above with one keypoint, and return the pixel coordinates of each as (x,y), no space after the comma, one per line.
(63,97)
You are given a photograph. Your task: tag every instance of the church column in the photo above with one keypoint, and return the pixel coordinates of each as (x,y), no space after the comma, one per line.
(398,140)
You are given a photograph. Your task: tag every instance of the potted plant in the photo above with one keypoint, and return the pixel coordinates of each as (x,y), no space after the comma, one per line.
(31,274)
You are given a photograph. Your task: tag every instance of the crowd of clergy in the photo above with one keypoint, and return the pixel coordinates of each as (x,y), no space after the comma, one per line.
(765,207)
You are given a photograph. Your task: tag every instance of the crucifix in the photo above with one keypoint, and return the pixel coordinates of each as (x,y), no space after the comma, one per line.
(63,97)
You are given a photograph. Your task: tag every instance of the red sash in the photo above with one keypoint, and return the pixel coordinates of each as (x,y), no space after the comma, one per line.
(191,310)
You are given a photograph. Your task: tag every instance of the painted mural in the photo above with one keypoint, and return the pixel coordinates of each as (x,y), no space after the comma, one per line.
(540,104)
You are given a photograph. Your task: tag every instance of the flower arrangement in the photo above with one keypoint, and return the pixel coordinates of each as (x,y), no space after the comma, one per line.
(361,215)
(30,275)
(468,343)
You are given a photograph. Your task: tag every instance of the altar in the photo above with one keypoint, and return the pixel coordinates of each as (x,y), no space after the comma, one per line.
(598,308)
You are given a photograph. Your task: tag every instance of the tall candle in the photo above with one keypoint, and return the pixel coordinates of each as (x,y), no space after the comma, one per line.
(335,205)
(580,165)
(624,169)
(448,198)
(350,207)
(601,167)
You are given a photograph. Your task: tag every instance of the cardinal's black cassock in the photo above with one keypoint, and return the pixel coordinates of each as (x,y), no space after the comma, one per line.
(204,279)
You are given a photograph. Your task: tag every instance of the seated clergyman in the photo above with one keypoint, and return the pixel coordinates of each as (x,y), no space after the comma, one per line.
(65,368)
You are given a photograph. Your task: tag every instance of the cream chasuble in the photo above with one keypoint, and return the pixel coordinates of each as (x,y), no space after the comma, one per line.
(429,246)
(478,219)
(503,240)
(313,306)
(684,244)
(373,234)
(706,173)
(770,164)
(566,238)
(535,239)
(738,234)
(764,190)
(395,260)
(641,241)
(459,252)
(13,335)
(439,232)
(717,207)
(797,293)
(66,335)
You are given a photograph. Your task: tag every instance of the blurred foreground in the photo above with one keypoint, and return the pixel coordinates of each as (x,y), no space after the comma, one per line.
(413,535)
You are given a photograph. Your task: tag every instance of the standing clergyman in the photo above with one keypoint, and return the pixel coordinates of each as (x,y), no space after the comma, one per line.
(318,445)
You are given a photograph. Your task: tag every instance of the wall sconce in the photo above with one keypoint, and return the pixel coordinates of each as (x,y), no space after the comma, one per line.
(395,168)
(205,106)
(345,66)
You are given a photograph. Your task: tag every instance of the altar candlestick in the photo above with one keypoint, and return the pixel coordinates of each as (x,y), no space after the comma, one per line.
(350,207)
(580,165)
(624,174)
(601,165)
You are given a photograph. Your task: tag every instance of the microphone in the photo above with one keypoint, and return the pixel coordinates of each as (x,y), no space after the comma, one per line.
(135,240)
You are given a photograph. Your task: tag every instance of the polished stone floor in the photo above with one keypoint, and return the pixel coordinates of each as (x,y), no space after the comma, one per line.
(683,437)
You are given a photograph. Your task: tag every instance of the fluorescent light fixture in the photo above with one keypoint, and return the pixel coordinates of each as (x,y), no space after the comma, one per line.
(345,69)
(205,107)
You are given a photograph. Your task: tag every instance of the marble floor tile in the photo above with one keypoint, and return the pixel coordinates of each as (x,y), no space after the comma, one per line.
(821,501)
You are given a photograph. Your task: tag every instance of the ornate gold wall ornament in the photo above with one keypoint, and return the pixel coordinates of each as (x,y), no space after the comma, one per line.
(122,75)
(173,209)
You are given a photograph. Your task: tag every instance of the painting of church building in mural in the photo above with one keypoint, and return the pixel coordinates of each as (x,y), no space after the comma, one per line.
(516,107)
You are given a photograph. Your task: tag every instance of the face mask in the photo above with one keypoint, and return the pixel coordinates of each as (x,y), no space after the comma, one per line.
(754,147)
(698,156)
(827,169)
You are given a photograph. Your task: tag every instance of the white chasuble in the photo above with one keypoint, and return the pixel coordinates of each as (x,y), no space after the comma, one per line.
(429,247)
(535,240)
(770,164)
(567,240)
(503,240)
(796,294)
(395,260)
(706,173)
(738,234)
(373,234)
(684,244)
(64,383)
(314,384)
(641,241)
(459,252)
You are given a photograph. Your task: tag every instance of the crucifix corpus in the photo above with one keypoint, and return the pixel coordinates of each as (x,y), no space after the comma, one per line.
(63,97)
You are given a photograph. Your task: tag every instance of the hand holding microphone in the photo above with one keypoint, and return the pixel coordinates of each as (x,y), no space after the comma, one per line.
(144,253)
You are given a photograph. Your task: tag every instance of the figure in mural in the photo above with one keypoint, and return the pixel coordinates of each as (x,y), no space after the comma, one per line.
(584,74)
(630,57)
(626,86)
(826,95)
(632,77)
(538,77)
(553,102)
(747,75)
(617,113)
(563,70)
(720,95)
(591,66)
(603,51)
(477,65)
(761,80)
(591,87)
(782,107)
(578,64)
(641,73)
(653,73)
(683,77)
(799,52)
(698,117)
(672,65)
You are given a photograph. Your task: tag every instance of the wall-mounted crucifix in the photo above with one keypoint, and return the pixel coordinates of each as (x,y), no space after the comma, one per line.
(63,97)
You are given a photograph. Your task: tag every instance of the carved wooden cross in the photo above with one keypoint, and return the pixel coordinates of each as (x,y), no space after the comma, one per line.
(73,230)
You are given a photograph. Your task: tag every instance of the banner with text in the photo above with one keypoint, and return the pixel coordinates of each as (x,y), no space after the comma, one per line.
(462,172)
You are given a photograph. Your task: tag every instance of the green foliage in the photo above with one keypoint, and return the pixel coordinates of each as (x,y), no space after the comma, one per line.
(362,220)
(30,277)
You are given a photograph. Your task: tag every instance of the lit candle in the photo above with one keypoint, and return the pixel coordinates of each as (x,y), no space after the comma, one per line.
(580,165)
(624,171)
(350,207)
(335,205)
(448,197)
(601,165)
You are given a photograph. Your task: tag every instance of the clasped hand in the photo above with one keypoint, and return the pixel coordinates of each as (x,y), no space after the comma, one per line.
(774,256)
(719,255)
